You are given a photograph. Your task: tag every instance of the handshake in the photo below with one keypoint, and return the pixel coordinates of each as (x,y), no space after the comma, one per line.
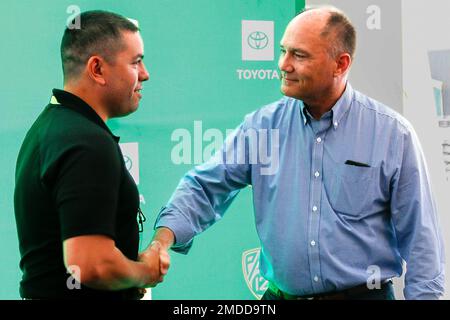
(155,258)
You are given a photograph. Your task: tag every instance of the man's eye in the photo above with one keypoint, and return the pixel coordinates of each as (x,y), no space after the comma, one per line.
(283,51)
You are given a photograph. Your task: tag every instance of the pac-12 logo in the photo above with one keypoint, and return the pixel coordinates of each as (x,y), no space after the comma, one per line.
(250,267)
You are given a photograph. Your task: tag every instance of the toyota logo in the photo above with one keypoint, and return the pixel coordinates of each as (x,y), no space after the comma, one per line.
(258,40)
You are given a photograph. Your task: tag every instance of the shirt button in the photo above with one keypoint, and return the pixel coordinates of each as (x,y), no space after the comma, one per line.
(316,278)
(319,140)
(335,124)
(314,209)
(313,243)
(317,174)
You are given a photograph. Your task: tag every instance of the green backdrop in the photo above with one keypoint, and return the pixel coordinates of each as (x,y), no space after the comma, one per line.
(193,50)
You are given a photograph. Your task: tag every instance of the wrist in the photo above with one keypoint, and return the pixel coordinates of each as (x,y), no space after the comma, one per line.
(165,237)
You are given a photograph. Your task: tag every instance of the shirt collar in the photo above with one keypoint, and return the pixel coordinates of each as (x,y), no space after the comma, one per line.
(304,112)
(342,105)
(338,110)
(75,103)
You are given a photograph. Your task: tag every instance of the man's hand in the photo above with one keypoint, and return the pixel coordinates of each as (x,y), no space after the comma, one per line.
(164,257)
(156,256)
(152,258)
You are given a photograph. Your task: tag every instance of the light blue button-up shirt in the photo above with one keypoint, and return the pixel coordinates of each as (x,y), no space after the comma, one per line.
(325,225)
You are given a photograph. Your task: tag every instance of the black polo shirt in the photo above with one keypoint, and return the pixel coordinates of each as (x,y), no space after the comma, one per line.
(71,180)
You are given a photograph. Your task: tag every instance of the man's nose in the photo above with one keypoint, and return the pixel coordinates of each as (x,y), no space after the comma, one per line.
(284,63)
(143,74)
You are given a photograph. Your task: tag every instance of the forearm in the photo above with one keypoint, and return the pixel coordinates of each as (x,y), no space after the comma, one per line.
(205,192)
(199,201)
(117,272)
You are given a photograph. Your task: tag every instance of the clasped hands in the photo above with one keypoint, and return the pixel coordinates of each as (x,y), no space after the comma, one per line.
(157,260)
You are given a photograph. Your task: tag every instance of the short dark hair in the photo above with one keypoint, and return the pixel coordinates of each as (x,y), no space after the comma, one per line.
(343,32)
(99,33)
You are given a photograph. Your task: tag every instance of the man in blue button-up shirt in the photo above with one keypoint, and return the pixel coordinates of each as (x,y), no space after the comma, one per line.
(349,196)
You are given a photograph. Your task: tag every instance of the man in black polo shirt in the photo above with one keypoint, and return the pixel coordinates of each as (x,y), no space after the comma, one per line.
(76,205)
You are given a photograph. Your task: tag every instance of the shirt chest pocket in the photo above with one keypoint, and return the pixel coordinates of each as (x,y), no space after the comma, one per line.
(354,189)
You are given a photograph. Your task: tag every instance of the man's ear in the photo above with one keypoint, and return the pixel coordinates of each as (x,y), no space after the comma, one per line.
(343,63)
(95,69)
